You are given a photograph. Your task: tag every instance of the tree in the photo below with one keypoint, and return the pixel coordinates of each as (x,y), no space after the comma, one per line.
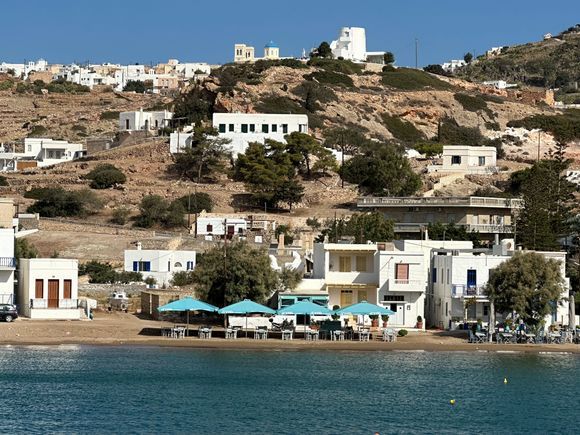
(302,148)
(3,181)
(361,226)
(55,202)
(436,69)
(389,58)
(383,169)
(194,106)
(104,273)
(24,249)
(439,231)
(290,192)
(468,57)
(324,50)
(197,202)
(154,210)
(206,158)
(547,197)
(225,275)
(120,216)
(528,284)
(136,86)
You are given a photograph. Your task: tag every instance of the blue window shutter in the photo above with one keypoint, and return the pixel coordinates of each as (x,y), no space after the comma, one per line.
(135,266)
(147,266)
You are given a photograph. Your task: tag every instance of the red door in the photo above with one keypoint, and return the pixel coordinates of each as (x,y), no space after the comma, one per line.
(53,293)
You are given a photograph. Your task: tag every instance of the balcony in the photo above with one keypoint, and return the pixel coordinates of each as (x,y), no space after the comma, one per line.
(462,290)
(59,304)
(7,263)
(406,285)
(345,278)
(401,227)
(445,201)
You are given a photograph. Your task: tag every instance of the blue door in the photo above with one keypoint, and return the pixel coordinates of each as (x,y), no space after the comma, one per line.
(471,278)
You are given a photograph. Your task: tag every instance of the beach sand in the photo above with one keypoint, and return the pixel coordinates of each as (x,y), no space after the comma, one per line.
(128,329)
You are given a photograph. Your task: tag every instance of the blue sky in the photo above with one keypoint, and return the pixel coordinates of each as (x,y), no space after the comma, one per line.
(125,31)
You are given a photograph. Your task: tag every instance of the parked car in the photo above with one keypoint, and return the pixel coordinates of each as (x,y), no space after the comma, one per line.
(8,312)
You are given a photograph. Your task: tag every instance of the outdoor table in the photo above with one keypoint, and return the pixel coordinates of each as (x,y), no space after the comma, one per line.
(167,332)
(554,338)
(481,336)
(337,336)
(287,334)
(364,335)
(178,332)
(260,334)
(204,333)
(231,333)
(505,337)
(312,335)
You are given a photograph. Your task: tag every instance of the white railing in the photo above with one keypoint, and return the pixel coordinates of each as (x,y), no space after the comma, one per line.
(61,304)
(474,201)
(412,285)
(481,228)
(462,290)
(9,262)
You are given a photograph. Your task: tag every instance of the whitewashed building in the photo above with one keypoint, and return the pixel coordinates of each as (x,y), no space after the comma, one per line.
(352,45)
(221,226)
(243,128)
(39,152)
(7,265)
(467,159)
(48,288)
(159,264)
(140,120)
(246,53)
(453,65)
(499,84)
(458,279)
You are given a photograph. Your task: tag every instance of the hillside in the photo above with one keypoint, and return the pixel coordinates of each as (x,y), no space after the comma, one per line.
(550,63)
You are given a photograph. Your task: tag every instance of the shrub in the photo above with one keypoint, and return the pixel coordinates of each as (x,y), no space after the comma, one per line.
(182,278)
(105,176)
(6,85)
(471,103)
(150,281)
(120,216)
(565,127)
(109,115)
(154,210)
(37,130)
(196,202)
(450,132)
(429,149)
(62,87)
(137,86)
(278,104)
(3,181)
(336,65)
(401,129)
(331,78)
(402,332)
(57,202)
(24,249)
(408,79)
(103,273)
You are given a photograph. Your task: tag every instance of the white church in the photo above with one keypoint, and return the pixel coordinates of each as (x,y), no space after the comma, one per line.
(352,45)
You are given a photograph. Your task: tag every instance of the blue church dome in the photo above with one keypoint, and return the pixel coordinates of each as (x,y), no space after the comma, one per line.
(271,44)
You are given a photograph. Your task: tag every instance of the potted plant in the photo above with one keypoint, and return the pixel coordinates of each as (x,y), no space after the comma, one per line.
(419,322)
(374,320)
(385,320)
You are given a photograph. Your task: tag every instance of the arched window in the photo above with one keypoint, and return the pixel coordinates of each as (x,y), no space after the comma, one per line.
(178,264)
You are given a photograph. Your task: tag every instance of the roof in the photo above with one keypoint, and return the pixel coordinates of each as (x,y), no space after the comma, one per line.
(271,44)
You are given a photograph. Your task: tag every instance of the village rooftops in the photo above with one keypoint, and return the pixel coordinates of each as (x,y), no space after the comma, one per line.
(440,201)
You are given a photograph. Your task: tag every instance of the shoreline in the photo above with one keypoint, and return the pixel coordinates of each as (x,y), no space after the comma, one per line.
(243,344)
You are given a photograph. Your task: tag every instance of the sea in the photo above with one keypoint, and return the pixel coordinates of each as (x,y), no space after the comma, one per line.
(85,389)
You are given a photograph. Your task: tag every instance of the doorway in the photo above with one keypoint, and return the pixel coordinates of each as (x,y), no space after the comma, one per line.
(53,293)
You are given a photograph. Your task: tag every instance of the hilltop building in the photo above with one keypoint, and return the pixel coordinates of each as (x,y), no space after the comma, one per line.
(39,152)
(453,65)
(246,53)
(352,45)
(140,120)
(466,159)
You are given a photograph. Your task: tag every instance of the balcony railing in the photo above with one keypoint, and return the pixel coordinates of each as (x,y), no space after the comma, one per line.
(451,201)
(411,285)
(7,262)
(462,290)
(401,227)
(61,304)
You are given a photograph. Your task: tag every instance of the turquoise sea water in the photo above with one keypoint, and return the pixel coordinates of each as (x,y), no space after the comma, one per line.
(72,389)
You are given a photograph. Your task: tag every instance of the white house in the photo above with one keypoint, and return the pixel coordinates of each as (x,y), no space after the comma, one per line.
(377,273)
(351,44)
(453,65)
(467,159)
(159,264)
(458,278)
(573,176)
(7,265)
(39,152)
(140,120)
(243,128)
(499,84)
(48,288)
(220,226)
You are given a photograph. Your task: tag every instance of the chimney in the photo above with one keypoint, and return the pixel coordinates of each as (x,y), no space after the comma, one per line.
(138,246)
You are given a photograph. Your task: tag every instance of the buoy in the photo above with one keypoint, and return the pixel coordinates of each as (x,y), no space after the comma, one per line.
(505,380)
(452,401)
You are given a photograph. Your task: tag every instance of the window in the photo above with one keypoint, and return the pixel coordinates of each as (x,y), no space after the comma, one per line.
(302,128)
(231,127)
(156,123)
(274,128)
(67,293)
(29,147)
(177,264)
(482,161)
(344,264)
(264,128)
(39,289)
(209,228)
(141,266)
(402,273)
(362,296)
(434,275)
(393,298)
(345,298)
(448,274)
(486,310)
(471,278)
(455,160)
(252,128)
(284,128)
(190,265)
(361,263)
(244,128)
(222,128)
(126,124)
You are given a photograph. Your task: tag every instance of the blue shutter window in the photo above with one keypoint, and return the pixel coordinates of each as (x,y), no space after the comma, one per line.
(147,266)
(434,274)
(135,266)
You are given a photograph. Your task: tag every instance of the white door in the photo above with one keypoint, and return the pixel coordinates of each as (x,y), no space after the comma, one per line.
(397,319)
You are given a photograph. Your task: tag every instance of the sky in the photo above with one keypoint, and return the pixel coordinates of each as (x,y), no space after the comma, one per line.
(152,31)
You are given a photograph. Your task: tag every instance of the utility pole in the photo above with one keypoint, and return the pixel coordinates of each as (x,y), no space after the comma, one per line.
(342,159)
(416,53)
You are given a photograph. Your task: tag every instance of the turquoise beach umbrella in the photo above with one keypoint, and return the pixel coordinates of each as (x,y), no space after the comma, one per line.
(246,307)
(188,304)
(365,308)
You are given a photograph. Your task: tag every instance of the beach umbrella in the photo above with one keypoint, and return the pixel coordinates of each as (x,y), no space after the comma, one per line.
(187,304)
(306,308)
(491,323)
(572,312)
(365,308)
(246,307)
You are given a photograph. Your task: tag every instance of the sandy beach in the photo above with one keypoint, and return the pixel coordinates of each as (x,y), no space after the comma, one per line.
(128,329)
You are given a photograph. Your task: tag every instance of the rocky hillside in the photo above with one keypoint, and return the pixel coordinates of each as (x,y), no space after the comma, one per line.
(550,63)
